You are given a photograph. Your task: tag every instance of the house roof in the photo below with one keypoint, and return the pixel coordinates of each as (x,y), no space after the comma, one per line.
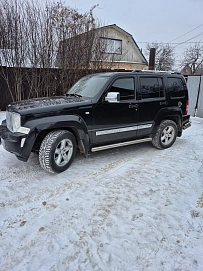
(114,26)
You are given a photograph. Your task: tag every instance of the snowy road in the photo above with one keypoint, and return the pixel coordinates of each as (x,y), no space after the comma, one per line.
(134,208)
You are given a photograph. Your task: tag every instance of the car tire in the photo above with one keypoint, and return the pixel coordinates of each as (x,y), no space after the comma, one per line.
(57,151)
(165,135)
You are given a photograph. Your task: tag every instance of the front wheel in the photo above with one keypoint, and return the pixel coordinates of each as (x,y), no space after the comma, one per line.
(57,151)
(165,135)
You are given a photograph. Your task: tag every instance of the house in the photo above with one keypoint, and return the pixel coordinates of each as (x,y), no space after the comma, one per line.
(192,69)
(112,46)
(186,70)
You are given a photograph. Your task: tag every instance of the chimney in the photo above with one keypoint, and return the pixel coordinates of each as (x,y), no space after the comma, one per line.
(152,59)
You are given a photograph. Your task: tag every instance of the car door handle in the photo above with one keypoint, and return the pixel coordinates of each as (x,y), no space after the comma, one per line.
(163,103)
(133,106)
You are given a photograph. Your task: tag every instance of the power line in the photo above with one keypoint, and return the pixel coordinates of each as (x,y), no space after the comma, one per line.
(179,43)
(190,39)
(186,33)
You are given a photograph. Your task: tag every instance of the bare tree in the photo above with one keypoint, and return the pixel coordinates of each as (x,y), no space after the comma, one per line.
(193,57)
(13,45)
(34,38)
(164,56)
(80,44)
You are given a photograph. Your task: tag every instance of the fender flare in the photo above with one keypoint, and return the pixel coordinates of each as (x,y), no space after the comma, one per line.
(172,113)
(73,123)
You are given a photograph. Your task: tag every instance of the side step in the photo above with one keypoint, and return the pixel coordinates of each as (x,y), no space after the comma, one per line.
(101,148)
(187,125)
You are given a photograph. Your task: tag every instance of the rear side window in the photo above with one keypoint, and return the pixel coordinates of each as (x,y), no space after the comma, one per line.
(176,87)
(151,88)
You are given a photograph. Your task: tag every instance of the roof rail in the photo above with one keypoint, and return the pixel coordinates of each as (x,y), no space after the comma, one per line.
(157,71)
(138,71)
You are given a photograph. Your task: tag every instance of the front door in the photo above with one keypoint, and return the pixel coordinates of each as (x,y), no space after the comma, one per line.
(116,121)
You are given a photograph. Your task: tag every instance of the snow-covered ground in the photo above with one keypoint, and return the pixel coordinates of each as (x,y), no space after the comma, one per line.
(132,208)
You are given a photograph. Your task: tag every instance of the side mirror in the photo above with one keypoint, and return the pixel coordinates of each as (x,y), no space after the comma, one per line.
(113,97)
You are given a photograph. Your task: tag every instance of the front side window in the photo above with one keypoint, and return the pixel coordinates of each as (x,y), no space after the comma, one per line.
(125,86)
(176,87)
(111,46)
(151,87)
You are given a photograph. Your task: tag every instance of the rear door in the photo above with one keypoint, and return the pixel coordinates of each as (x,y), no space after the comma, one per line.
(151,99)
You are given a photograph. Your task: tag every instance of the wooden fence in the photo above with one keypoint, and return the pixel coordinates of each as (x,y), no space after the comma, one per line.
(24,83)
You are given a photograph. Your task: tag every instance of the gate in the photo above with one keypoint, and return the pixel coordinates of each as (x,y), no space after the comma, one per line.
(195,90)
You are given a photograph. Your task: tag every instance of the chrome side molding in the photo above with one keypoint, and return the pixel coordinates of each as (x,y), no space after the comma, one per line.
(111,146)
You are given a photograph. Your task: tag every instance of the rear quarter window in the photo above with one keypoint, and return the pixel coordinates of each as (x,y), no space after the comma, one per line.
(176,87)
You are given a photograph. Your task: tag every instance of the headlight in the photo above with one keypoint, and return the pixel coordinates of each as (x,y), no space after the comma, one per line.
(13,121)
(16,122)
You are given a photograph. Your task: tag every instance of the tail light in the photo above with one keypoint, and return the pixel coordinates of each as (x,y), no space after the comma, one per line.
(187,106)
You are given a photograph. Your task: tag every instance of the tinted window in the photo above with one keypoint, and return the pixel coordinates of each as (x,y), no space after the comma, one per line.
(151,87)
(125,86)
(176,87)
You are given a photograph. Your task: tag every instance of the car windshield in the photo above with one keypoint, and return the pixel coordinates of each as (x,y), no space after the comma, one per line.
(88,86)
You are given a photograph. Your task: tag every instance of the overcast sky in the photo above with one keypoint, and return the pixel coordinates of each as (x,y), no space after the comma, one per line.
(151,20)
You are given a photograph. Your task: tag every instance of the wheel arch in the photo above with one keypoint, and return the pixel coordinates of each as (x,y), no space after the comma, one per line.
(74,125)
(175,116)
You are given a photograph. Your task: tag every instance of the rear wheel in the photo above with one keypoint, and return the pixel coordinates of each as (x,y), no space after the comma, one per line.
(57,151)
(165,135)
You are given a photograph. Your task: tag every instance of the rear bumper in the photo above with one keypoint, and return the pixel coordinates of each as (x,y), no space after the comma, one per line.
(186,122)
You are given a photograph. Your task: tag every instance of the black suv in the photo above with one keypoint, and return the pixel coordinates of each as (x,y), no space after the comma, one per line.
(100,111)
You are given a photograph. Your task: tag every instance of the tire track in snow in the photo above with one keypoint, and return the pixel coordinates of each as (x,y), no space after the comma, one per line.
(25,178)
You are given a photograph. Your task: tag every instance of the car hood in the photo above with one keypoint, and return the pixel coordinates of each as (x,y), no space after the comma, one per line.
(43,102)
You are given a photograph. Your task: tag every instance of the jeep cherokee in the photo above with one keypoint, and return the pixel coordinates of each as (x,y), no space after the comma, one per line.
(100,111)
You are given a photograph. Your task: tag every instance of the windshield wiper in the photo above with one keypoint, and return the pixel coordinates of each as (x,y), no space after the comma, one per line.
(73,94)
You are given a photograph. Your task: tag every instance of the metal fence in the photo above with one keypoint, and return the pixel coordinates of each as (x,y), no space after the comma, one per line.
(195,90)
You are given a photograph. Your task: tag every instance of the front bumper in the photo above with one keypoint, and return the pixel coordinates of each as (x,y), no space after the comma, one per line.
(2,133)
(14,142)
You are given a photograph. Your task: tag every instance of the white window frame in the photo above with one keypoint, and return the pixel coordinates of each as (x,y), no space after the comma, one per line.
(112,46)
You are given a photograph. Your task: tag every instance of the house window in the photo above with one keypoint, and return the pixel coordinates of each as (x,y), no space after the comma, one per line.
(111,46)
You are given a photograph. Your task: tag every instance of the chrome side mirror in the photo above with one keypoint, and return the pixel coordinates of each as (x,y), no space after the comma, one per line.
(113,97)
